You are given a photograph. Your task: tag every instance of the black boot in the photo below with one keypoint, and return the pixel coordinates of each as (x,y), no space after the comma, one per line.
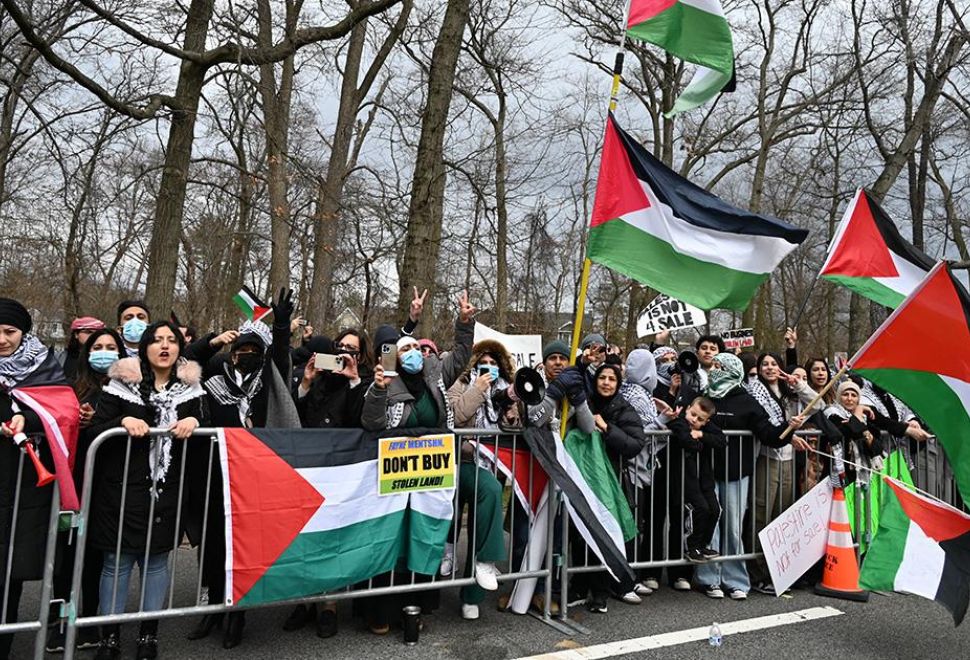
(299,617)
(327,624)
(109,648)
(206,626)
(147,641)
(234,628)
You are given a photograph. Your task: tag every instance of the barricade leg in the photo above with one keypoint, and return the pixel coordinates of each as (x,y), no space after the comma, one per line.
(45,590)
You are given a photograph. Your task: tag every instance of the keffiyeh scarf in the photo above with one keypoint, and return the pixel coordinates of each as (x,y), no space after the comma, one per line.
(764,397)
(227,392)
(29,355)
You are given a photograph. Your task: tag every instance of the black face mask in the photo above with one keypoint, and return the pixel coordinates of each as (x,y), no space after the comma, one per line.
(247,363)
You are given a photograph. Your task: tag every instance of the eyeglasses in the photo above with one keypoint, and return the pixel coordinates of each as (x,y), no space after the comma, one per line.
(347,348)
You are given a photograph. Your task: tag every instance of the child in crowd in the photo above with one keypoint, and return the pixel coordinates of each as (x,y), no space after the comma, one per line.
(694,437)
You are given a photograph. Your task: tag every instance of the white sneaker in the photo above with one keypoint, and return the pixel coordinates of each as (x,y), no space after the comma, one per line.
(631,598)
(486,574)
(469,612)
(681,584)
(448,560)
(641,589)
(737,594)
(651,583)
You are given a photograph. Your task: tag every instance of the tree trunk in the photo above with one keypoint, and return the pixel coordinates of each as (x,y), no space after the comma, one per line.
(422,241)
(502,214)
(163,250)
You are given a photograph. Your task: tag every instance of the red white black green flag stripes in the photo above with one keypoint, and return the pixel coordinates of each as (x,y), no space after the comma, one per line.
(657,227)
(870,257)
(303,516)
(921,353)
(695,31)
(923,548)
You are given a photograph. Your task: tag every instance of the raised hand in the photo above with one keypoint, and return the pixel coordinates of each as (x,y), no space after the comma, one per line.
(417,304)
(466,310)
(791,337)
(224,339)
(283,307)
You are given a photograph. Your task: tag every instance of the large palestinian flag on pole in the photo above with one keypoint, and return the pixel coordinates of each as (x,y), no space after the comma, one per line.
(923,548)
(921,353)
(693,30)
(869,256)
(660,229)
(303,514)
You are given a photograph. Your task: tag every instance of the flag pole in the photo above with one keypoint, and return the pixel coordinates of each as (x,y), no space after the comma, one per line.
(584,277)
(821,393)
(808,296)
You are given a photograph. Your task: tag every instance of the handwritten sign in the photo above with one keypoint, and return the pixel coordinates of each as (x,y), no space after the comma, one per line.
(796,539)
(526,350)
(414,464)
(738,338)
(666,313)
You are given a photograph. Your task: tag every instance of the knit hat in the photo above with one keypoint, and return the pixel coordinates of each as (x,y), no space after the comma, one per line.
(15,314)
(86,323)
(385,334)
(592,338)
(257,334)
(406,340)
(555,347)
(430,344)
(847,385)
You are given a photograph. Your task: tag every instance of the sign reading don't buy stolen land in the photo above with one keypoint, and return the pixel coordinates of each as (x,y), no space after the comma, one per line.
(408,464)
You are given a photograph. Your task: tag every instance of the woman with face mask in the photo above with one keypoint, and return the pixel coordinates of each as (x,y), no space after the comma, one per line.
(158,389)
(414,398)
(24,362)
(101,350)
(240,391)
(473,398)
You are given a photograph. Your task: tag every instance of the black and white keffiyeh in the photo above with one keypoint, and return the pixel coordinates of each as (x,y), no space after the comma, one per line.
(227,391)
(766,400)
(29,355)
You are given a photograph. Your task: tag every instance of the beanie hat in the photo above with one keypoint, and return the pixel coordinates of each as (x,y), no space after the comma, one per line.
(846,385)
(86,323)
(556,346)
(592,338)
(430,344)
(15,314)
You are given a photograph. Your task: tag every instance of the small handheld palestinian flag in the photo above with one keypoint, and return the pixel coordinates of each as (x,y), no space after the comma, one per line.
(251,306)
(695,31)
(655,226)
(870,257)
(921,353)
(922,548)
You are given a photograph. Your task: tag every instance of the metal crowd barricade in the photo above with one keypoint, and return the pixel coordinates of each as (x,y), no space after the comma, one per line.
(36,624)
(483,446)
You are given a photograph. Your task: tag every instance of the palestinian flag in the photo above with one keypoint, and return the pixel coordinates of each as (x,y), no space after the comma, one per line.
(303,515)
(894,467)
(660,229)
(597,506)
(250,305)
(870,257)
(921,353)
(693,30)
(923,548)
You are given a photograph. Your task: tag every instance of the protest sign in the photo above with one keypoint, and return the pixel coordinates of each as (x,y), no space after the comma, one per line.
(526,350)
(796,539)
(415,464)
(738,338)
(666,313)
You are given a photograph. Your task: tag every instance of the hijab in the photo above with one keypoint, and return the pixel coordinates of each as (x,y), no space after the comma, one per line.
(729,376)
(599,402)
(641,369)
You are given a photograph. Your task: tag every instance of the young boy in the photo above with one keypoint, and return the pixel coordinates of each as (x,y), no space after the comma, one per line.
(695,436)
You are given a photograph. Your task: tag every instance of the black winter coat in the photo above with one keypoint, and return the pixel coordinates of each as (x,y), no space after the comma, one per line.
(110,478)
(332,403)
(624,436)
(739,411)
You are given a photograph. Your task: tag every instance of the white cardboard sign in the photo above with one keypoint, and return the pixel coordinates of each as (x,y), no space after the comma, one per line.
(526,350)
(796,539)
(666,313)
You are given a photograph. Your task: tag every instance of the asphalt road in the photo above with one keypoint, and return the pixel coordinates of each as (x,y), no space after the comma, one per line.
(888,626)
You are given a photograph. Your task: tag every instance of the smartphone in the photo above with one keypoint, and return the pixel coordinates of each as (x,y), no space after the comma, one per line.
(483,370)
(389,359)
(301,322)
(329,362)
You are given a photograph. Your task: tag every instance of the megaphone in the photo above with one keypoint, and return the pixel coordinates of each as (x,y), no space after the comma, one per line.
(688,362)
(527,386)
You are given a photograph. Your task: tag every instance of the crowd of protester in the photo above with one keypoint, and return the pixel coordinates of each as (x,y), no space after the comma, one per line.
(691,489)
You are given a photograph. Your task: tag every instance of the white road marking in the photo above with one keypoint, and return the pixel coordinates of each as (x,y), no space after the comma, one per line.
(625,647)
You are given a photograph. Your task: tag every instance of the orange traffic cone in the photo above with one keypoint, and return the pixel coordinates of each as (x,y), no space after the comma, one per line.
(840,577)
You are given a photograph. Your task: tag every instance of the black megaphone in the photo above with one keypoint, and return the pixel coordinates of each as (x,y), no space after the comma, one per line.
(688,362)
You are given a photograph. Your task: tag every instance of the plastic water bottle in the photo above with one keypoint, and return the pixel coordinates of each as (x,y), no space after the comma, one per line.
(714,637)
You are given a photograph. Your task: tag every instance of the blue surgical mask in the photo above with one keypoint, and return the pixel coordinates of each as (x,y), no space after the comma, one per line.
(133,329)
(492,370)
(100,361)
(412,361)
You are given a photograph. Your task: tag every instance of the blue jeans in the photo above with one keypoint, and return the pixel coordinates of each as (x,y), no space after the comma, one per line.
(733,496)
(154,576)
